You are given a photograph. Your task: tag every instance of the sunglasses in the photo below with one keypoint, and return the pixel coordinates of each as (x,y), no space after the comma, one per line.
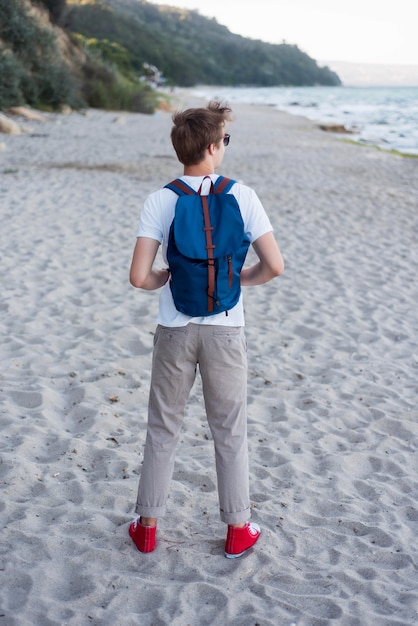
(227,137)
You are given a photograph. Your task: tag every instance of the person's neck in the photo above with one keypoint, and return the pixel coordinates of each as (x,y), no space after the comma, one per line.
(202,169)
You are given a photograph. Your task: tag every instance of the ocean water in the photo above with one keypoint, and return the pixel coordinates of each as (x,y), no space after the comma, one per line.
(382,116)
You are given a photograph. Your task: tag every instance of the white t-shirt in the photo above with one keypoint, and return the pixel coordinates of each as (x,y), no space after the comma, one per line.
(155,221)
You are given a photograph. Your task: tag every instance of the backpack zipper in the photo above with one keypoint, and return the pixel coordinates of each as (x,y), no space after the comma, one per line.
(230,270)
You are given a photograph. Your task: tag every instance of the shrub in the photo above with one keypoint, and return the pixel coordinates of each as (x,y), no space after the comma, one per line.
(109,52)
(105,87)
(11,72)
(32,68)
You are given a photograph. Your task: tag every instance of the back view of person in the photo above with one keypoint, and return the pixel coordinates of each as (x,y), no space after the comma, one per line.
(213,343)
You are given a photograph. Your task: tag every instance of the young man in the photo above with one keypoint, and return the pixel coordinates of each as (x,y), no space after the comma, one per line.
(215,343)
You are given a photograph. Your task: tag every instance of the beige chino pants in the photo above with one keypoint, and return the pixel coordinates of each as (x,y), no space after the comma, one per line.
(221,354)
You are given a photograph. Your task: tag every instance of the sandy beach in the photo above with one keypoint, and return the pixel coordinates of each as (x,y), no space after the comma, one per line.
(333,385)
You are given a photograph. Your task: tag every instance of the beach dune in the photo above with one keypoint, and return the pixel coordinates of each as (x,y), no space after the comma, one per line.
(332,389)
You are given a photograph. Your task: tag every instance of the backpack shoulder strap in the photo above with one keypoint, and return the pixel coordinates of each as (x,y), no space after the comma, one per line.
(180,187)
(223,184)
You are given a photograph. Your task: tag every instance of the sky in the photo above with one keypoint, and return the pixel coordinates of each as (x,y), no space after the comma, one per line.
(356,31)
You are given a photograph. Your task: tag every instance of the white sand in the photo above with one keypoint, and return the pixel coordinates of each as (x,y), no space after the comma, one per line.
(333,386)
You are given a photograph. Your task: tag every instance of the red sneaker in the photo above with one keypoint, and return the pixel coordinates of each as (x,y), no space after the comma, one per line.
(143,536)
(239,540)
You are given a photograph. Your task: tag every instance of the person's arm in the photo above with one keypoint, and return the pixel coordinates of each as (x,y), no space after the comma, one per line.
(270,262)
(142,273)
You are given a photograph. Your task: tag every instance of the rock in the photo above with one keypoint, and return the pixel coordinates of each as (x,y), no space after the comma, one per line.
(65,109)
(335,128)
(8,126)
(27,113)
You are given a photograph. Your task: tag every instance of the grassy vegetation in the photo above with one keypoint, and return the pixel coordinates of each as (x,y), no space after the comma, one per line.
(35,71)
(109,81)
(405,155)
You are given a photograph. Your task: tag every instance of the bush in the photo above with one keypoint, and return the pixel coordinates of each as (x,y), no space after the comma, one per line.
(56,86)
(105,87)
(108,52)
(11,72)
(32,67)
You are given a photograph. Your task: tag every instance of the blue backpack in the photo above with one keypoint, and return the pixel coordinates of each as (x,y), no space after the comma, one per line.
(207,246)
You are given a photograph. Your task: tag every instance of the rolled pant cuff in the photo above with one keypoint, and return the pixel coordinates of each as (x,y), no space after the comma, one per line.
(150,511)
(236,518)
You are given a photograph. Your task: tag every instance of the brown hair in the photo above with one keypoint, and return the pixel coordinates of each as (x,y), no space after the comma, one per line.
(196,129)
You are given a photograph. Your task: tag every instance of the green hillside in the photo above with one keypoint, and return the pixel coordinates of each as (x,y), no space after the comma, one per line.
(103,53)
(191,49)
